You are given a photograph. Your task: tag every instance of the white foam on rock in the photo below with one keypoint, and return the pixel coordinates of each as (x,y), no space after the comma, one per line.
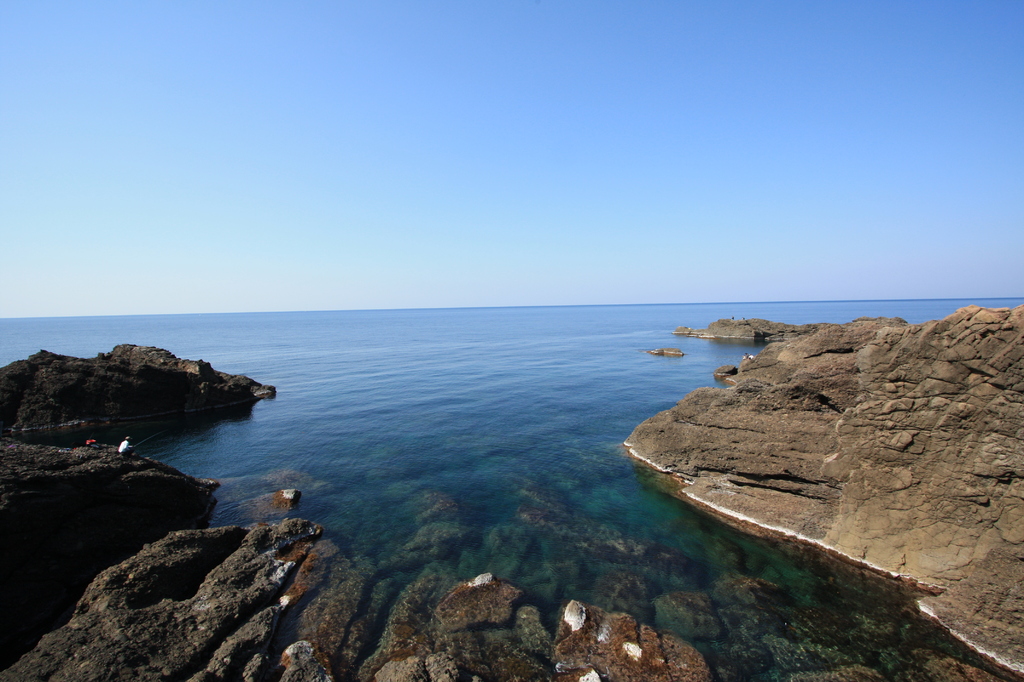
(633,650)
(1015,666)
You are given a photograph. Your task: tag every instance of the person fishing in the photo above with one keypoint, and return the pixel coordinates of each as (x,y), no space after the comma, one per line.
(126,447)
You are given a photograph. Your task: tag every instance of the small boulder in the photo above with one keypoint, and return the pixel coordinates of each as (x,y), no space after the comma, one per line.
(485,601)
(726,371)
(616,647)
(300,664)
(286,499)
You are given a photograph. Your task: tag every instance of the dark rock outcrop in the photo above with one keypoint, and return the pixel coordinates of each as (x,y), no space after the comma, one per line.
(726,371)
(130,382)
(897,446)
(197,605)
(65,515)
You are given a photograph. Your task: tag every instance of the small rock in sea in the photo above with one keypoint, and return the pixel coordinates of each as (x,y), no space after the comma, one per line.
(286,499)
(726,371)
(477,604)
(620,648)
(672,352)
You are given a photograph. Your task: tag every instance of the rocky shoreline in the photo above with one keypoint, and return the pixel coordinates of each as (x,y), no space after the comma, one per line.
(896,446)
(268,602)
(153,595)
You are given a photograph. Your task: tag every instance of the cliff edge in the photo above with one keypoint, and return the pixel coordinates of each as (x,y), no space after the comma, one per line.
(899,446)
(48,390)
(67,514)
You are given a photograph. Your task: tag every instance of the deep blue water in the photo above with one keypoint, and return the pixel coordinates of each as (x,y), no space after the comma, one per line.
(499,410)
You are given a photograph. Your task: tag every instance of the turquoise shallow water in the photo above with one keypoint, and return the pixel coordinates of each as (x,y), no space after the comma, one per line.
(514,416)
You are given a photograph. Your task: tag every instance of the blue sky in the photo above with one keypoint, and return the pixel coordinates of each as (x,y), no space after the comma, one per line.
(186,156)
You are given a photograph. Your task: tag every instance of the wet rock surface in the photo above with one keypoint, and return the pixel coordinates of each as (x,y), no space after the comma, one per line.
(617,648)
(198,605)
(48,390)
(67,514)
(899,446)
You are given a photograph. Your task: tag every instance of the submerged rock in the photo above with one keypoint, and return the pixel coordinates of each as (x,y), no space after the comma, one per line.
(689,614)
(897,446)
(619,649)
(485,601)
(131,382)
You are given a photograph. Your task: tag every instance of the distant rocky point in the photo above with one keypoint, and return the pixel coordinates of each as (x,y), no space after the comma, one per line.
(131,382)
(765,330)
(898,446)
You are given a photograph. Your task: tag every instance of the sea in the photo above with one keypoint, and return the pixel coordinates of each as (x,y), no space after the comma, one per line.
(515,418)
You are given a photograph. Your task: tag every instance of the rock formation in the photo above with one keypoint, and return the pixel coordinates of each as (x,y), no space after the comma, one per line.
(671,352)
(898,446)
(197,605)
(130,382)
(480,628)
(594,645)
(757,329)
(67,514)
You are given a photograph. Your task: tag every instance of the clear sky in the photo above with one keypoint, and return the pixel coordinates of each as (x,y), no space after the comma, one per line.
(197,156)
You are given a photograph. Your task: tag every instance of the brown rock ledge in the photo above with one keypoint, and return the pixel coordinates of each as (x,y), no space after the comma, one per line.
(900,447)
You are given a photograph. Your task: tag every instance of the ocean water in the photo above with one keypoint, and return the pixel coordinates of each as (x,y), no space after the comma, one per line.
(512,420)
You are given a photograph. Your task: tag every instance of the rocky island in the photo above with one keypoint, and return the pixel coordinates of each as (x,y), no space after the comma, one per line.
(131,382)
(896,446)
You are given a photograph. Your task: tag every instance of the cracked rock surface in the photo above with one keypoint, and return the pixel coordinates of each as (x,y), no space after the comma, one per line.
(197,605)
(67,514)
(898,445)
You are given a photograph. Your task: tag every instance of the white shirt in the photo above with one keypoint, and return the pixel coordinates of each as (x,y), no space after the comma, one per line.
(125,445)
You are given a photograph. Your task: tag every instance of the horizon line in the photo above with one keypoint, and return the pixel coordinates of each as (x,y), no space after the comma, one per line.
(500,307)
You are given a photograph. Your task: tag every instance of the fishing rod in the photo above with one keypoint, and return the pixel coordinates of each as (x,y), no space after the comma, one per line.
(153,436)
